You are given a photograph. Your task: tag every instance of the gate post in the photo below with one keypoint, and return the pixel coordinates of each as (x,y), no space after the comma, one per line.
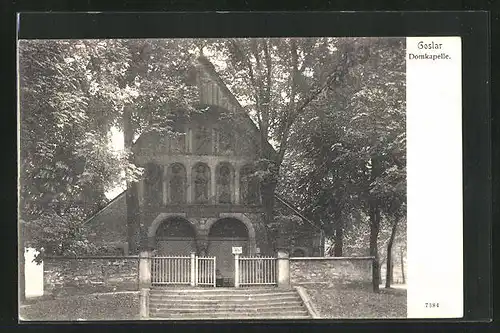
(144,304)
(283,269)
(144,269)
(193,269)
(236,270)
(144,283)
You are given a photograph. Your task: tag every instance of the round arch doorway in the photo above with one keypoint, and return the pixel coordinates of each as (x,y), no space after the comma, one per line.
(225,234)
(175,237)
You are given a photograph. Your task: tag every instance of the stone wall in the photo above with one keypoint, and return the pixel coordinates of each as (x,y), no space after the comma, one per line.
(329,270)
(79,276)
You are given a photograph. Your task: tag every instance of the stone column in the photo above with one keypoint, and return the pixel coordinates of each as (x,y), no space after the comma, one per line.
(214,142)
(145,269)
(144,304)
(165,185)
(283,263)
(213,184)
(202,242)
(144,283)
(140,192)
(189,182)
(236,191)
(187,139)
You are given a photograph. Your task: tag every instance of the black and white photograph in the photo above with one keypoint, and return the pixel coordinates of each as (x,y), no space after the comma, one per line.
(219,178)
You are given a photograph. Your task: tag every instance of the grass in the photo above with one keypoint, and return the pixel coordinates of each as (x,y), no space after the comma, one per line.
(112,306)
(356,301)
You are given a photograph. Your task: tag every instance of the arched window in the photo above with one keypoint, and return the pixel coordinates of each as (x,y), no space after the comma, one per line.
(225,176)
(249,186)
(201,183)
(153,179)
(177,184)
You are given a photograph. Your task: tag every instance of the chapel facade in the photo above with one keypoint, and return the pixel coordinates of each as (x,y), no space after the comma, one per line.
(199,193)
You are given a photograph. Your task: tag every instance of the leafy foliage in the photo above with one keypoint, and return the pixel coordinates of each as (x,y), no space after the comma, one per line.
(71,93)
(348,165)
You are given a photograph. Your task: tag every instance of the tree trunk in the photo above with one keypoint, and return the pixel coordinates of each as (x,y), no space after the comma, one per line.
(132,200)
(388,273)
(402,266)
(339,236)
(374,230)
(267,194)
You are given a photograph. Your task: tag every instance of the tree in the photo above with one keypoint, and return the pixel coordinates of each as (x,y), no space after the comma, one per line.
(72,92)
(65,162)
(157,71)
(351,146)
(279,79)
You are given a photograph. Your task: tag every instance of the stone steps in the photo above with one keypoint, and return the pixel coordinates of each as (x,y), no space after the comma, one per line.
(232,315)
(226,303)
(179,307)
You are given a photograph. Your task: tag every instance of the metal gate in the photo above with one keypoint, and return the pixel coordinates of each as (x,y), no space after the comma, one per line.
(171,270)
(205,271)
(183,270)
(252,271)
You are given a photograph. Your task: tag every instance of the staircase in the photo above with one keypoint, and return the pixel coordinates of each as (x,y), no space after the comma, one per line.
(226,303)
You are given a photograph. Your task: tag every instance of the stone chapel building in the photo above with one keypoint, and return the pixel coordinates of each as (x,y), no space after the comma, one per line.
(198,194)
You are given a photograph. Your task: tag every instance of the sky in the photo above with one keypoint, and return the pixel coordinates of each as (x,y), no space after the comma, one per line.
(116,143)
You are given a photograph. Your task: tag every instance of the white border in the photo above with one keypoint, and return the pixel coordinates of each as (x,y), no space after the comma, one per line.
(434,166)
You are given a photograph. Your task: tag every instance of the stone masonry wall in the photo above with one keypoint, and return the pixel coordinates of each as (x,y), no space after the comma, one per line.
(326,270)
(70,276)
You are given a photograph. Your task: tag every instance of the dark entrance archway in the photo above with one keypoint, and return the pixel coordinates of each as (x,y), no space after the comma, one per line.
(175,237)
(223,235)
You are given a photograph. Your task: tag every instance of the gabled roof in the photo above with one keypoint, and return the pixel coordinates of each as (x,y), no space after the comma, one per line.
(210,70)
(99,212)
(296,211)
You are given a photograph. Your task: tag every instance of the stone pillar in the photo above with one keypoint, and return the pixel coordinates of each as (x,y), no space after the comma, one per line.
(202,242)
(236,270)
(189,148)
(236,198)
(144,283)
(283,269)
(145,269)
(144,304)
(193,269)
(189,182)
(165,186)
(140,192)
(213,183)
(214,142)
